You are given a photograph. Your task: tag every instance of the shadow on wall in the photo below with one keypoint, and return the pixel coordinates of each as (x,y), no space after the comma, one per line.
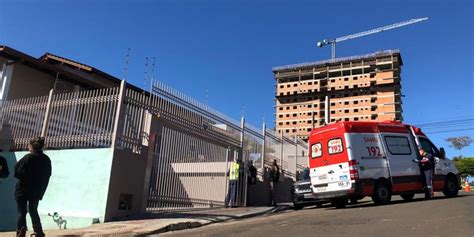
(259,193)
(8,212)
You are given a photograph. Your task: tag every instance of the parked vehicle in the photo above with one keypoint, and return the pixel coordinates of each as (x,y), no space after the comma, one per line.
(301,192)
(351,160)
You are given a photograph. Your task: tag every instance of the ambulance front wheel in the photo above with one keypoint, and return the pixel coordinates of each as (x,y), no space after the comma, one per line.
(451,187)
(382,193)
(339,202)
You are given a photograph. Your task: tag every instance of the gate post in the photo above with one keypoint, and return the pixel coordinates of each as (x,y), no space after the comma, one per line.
(117,132)
(243,178)
(296,157)
(44,130)
(281,151)
(262,156)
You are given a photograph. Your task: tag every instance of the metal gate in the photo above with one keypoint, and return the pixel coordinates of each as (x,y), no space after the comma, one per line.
(192,150)
(187,171)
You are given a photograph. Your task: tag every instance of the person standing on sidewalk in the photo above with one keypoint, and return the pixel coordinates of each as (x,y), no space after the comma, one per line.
(274,177)
(233,174)
(251,182)
(252,174)
(33,172)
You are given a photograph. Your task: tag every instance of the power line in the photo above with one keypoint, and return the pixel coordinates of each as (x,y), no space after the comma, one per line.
(445,122)
(445,119)
(449,125)
(455,130)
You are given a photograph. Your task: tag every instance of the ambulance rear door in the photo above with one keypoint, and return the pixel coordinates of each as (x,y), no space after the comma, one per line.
(329,165)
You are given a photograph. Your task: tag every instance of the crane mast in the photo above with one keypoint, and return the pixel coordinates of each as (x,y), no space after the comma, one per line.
(333,42)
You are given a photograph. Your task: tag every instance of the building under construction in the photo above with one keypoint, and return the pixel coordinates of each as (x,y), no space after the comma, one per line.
(358,88)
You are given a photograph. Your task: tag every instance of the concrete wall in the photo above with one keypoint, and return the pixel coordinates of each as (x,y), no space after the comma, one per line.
(77,189)
(127,177)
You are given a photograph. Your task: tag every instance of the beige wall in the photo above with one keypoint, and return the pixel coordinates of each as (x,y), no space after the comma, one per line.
(29,82)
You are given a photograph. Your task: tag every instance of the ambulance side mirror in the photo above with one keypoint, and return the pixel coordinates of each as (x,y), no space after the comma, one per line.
(442,153)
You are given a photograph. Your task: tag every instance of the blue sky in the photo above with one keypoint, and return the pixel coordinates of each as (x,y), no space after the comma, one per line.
(229,47)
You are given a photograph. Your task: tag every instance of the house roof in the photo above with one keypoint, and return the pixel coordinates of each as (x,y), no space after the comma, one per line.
(68,69)
(49,56)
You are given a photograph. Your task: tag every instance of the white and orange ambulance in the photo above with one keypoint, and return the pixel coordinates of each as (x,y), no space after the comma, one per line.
(352,160)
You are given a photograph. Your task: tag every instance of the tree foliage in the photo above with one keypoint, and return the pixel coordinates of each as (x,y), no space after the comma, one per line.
(465,165)
(459,143)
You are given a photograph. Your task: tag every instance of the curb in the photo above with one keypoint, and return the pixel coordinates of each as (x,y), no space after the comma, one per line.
(197,224)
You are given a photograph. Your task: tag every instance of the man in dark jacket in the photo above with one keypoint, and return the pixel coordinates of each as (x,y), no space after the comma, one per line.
(274,177)
(3,168)
(33,172)
(427,163)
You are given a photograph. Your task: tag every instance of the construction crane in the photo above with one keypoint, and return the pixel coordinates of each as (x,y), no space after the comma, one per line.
(369,32)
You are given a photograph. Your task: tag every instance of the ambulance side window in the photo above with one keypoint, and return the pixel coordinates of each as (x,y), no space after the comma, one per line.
(429,147)
(398,145)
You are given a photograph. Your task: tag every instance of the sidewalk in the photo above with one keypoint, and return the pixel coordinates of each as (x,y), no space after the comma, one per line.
(155,223)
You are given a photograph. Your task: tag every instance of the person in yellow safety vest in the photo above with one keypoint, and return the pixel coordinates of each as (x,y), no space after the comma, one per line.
(233,174)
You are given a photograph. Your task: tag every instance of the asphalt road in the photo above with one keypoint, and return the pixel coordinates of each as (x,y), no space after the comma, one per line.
(437,217)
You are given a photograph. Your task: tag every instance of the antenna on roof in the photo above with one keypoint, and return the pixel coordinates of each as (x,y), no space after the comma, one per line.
(206,96)
(152,72)
(56,80)
(153,69)
(125,73)
(146,72)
